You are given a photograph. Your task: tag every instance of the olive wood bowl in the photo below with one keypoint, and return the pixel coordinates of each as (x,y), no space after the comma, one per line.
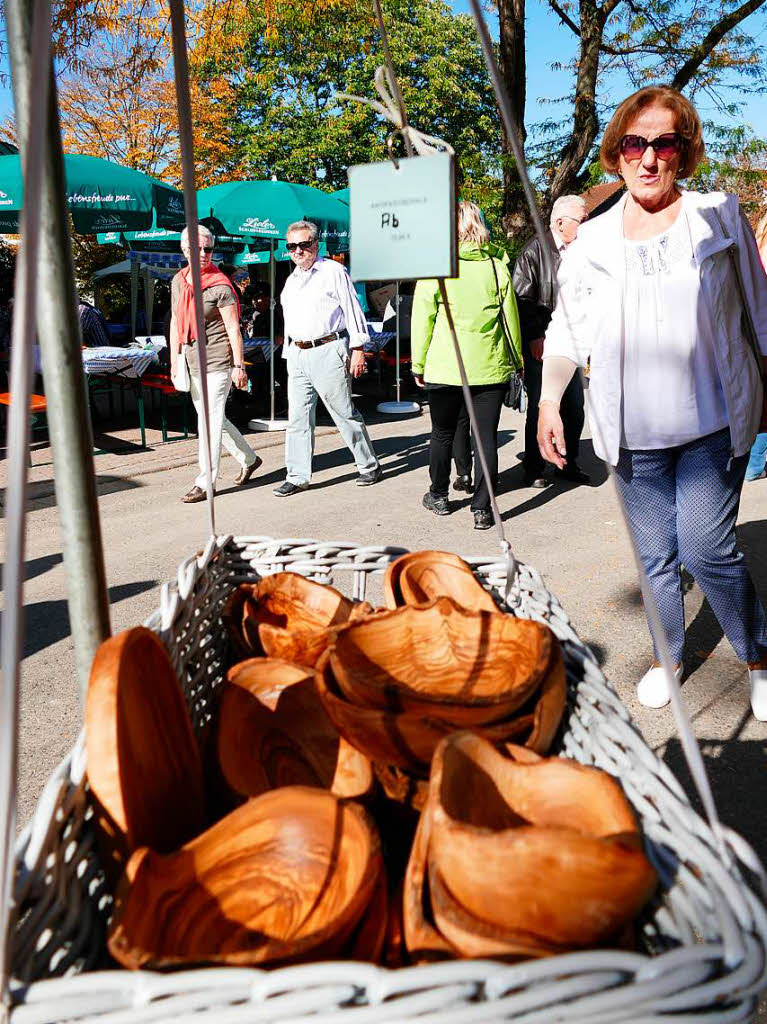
(284,878)
(287,616)
(404,740)
(144,766)
(549,849)
(273,731)
(468,668)
(420,576)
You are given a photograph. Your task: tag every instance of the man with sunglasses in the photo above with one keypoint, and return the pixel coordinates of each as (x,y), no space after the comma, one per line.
(535,286)
(325,330)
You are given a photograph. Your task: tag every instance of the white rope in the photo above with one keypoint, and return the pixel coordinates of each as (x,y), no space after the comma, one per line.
(183,101)
(689,742)
(22,340)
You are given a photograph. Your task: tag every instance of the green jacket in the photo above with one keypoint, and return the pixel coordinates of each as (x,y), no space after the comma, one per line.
(474,302)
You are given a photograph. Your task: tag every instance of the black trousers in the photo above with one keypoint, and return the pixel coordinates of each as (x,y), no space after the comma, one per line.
(462,443)
(571,410)
(445,404)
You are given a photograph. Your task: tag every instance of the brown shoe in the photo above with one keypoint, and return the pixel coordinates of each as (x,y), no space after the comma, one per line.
(196,494)
(247,472)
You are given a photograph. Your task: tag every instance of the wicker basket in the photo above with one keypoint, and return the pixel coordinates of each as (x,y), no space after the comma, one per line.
(705,937)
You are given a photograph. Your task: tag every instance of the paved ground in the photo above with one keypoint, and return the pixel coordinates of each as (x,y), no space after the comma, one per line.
(572,535)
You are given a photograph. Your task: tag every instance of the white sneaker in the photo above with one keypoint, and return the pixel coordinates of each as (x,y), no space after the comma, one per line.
(653,691)
(758,679)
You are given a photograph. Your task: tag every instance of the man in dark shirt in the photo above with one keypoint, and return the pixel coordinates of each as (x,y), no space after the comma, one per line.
(93,326)
(535,287)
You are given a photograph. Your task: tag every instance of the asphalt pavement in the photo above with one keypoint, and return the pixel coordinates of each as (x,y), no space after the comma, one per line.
(573,535)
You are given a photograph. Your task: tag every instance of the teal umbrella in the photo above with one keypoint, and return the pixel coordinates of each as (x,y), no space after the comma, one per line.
(102,196)
(342,195)
(266,208)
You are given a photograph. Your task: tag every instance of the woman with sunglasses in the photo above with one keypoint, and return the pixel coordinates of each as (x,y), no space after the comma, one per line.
(654,291)
(224,357)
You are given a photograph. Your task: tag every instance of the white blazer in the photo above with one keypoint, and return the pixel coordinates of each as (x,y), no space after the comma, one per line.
(588,318)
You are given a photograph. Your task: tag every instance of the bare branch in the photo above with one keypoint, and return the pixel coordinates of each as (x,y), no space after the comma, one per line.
(713,37)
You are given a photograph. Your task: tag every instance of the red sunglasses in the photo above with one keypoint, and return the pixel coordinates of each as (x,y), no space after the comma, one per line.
(666,146)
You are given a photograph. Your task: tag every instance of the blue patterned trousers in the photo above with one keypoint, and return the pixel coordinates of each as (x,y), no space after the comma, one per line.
(683,504)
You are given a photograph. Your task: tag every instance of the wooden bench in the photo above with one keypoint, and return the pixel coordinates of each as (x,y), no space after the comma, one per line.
(38,408)
(157,383)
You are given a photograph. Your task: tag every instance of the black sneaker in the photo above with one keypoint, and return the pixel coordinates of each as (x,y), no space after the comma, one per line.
(288,488)
(436,503)
(463,483)
(366,479)
(483,519)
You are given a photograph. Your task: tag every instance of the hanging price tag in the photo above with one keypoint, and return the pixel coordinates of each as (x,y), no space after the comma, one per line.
(403,219)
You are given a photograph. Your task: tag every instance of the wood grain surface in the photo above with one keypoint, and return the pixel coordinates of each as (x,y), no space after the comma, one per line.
(144,766)
(286,877)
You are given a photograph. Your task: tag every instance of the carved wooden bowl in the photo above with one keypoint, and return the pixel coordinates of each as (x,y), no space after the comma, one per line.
(421,576)
(547,852)
(287,616)
(144,766)
(286,877)
(467,668)
(405,740)
(273,731)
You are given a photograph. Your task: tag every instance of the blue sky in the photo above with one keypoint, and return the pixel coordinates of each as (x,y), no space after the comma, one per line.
(547,42)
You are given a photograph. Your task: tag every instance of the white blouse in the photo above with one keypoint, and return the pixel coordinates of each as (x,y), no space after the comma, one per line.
(672,393)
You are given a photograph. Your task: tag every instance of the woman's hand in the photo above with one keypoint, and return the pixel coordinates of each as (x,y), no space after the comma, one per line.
(240,378)
(551,434)
(418,378)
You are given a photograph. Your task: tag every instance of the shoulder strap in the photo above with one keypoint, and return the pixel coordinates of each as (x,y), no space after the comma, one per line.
(504,325)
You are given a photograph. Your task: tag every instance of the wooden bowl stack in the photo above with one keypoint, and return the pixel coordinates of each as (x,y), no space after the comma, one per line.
(372,786)
(521,857)
(397,683)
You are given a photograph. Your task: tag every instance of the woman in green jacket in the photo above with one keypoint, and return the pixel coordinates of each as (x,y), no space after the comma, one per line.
(485,314)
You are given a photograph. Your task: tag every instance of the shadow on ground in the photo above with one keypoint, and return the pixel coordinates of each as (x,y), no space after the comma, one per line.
(47,622)
(35,567)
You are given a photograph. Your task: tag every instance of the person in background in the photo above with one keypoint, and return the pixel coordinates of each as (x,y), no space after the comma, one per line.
(535,286)
(487,327)
(651,293)
(93,325)
(325,330)
(756,468)
(224,358)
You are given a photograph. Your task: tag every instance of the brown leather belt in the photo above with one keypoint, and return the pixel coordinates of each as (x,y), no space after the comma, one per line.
(318,341)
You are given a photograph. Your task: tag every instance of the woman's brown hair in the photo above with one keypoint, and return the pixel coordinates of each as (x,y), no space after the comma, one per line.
(687,124)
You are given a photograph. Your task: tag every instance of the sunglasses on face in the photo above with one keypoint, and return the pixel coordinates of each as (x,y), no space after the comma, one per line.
(303,246)
(203,248)
(666,146)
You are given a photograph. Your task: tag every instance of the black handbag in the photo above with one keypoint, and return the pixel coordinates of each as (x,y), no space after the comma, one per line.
(516,396)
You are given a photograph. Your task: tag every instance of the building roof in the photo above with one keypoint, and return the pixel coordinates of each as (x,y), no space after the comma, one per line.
(599,194)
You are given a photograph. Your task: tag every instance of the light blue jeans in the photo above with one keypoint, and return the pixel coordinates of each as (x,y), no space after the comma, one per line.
(756,462)
(322,372)
(683,504)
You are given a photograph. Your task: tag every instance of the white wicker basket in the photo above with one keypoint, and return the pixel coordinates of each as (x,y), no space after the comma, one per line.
(704,938)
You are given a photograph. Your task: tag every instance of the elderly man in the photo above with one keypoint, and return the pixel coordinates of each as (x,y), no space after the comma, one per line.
(324,334)
(535,287)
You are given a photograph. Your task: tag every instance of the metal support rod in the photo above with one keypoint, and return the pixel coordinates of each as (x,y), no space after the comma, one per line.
(24,328)
(61,348)
(272,300)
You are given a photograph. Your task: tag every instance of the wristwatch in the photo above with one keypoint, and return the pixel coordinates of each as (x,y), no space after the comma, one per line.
(238,366)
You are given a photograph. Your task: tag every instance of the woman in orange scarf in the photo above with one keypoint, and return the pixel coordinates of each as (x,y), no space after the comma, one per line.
(224,357)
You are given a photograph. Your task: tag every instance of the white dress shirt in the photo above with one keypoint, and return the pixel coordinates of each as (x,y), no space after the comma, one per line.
(320,301)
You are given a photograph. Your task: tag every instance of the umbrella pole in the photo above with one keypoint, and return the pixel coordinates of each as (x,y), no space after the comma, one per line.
(134,276)
(272,275)
(60,345)
(396,340)
(397,407)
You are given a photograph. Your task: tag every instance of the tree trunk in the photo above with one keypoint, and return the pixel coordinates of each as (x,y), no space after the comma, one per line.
(568,175)
(511,19)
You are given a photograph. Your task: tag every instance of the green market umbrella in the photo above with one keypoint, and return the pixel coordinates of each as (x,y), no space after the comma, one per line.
(342,195)
(102,196)
(266,208)
(7,147)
